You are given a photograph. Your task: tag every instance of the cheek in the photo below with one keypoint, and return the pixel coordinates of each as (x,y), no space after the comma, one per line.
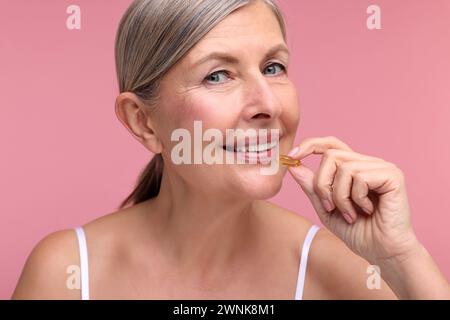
(291,108)
(215,111)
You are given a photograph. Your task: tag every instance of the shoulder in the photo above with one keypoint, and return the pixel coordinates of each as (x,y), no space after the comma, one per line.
(48,267)
(334,271)
(287,227)
(52,269)
(281,217)
(340,273)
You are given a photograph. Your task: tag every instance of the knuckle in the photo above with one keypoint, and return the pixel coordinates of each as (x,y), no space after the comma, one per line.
(338,198)
(359,177)
(345,169)
(377,159)
(339,142)
(346,166)
(359,197)
(321,188)
(400,174)
(332,138)
(391,165)
(329,154)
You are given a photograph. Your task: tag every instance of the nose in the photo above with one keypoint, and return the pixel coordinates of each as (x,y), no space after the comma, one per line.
(261,100)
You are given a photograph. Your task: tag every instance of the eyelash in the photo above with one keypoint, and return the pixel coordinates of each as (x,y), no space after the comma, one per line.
(284,69)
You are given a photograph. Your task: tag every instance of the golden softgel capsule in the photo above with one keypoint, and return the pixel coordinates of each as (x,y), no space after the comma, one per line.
(288,161)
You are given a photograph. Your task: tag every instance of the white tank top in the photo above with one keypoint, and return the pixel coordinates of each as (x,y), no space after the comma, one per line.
(84,265)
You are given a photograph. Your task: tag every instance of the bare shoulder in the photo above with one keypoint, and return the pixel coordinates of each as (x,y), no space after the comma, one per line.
(47,269)
(51,270)
(341,274)
(288,222)
(286,228)
(333,271)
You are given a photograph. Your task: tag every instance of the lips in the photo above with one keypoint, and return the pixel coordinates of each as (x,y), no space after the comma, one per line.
(257,144)
(254,148)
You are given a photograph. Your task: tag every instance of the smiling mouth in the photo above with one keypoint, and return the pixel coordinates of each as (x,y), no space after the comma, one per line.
(255,148)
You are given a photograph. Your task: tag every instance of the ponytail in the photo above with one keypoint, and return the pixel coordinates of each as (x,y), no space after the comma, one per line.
(148,184)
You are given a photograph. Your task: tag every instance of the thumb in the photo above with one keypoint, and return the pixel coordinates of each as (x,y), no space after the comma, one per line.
(304,177)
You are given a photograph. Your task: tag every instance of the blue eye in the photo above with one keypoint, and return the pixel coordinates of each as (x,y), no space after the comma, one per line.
(216,75)
(283,68)
(213,75)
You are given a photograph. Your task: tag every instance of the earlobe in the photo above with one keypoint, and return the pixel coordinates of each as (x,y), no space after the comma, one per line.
(130,112)
(149,135)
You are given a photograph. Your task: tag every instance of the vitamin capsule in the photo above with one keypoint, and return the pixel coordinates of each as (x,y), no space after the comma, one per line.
(288,161)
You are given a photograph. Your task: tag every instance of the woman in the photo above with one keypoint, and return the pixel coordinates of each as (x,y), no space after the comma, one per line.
(201,231)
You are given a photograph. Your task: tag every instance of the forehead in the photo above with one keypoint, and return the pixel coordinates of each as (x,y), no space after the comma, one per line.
(253,25)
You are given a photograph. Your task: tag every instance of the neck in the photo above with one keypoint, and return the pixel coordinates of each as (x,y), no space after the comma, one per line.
(202,234)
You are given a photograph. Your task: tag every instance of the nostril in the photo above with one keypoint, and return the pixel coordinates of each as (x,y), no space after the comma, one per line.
(261,115)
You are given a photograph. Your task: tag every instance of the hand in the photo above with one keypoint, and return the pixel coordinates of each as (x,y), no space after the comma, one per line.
(369,205)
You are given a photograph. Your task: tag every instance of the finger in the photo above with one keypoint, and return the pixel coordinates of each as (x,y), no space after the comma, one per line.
(317,146)
(385,180)
(329,164)
(340,195)
(360,194)
(305,176)
(351,186)
(350,189)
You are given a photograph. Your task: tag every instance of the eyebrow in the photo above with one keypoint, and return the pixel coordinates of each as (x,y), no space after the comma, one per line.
(234,60)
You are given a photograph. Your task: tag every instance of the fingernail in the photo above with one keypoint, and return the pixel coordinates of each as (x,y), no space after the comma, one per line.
(367,210)
(293,152)
(367,206)
(347,217)
(327,205)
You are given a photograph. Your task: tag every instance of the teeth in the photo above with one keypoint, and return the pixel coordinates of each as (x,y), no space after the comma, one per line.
(241,149)
(229,148)
(256,147)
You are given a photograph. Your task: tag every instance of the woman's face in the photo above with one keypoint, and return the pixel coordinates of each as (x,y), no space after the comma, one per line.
(254,92)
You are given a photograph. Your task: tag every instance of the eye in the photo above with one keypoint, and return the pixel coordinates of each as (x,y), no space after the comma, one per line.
(282,67)
(215,76)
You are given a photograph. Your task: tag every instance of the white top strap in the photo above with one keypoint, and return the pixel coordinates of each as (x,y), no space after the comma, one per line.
(303,261)
(84,269)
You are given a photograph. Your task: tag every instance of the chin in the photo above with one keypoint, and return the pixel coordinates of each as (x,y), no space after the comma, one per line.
(255,186)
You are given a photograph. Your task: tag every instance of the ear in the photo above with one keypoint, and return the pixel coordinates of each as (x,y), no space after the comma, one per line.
(130,111)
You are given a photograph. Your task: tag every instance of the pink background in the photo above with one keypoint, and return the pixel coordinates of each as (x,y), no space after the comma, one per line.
(66,159)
